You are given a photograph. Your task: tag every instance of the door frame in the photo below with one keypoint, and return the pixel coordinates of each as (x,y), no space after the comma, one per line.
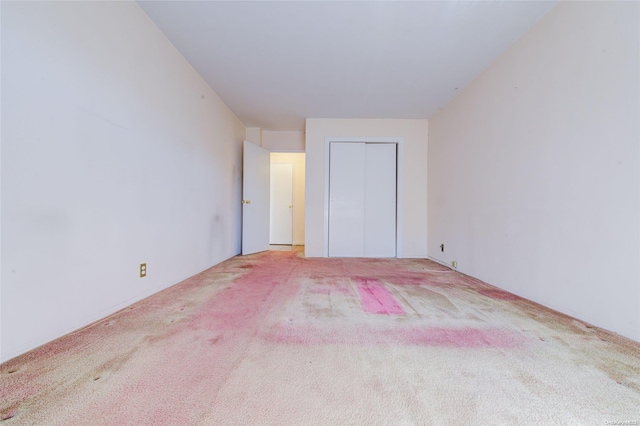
(399,171)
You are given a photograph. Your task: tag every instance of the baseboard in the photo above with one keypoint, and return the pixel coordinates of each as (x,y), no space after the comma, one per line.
(442,262)
(298,243)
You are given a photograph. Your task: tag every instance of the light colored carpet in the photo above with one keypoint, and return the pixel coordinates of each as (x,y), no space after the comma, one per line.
(277,339)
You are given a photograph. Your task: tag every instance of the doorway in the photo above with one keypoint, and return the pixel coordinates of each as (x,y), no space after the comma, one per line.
(281,206)
(286,223)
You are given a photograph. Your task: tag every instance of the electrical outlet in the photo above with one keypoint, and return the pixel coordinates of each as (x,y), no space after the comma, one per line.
(143,270)
(454,263)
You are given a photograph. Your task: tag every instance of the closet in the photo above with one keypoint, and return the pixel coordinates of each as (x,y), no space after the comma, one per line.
(362,199)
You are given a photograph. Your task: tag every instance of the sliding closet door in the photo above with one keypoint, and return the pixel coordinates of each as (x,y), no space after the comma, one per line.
(380,200)
(362,200)
(346,199)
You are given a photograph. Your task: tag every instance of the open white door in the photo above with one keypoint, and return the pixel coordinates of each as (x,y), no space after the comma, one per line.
(255,199)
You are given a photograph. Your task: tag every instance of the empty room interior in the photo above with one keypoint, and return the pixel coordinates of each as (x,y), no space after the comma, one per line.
(320,213)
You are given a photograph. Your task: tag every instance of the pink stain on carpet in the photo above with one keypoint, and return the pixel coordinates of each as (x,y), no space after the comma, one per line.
(376,299)
(371,337)
(165,374)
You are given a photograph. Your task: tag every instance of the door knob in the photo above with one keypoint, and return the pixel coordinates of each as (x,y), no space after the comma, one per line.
(246,201)
(290,206)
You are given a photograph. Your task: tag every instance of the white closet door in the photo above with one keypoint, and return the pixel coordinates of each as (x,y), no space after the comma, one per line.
(380,200)
(346,199)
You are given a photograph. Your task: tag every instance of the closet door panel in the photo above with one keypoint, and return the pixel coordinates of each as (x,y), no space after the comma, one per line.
(346,199)
(380,200)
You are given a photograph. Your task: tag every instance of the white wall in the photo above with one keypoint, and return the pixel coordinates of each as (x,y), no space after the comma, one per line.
(254,135)
(114,152)
(277,141)
(283,141)
(534,172)
(415,136)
